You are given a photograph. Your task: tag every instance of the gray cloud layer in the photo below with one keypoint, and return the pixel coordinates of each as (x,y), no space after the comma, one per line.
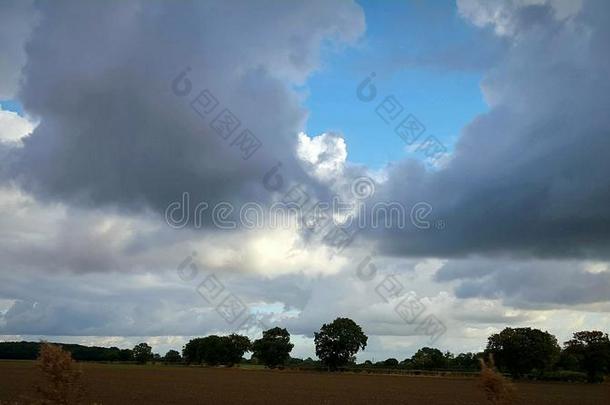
(529,177)
(99,76)
(17,18)
(528,284)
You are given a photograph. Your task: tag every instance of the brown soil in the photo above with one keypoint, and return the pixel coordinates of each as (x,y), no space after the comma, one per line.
(129,384)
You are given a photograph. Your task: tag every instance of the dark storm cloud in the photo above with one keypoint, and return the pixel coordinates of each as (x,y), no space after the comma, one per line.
(528,284)
(530,176)
(16,20)
(112,132)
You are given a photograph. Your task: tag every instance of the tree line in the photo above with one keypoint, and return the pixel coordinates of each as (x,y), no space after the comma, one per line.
(519,352)
(31,350)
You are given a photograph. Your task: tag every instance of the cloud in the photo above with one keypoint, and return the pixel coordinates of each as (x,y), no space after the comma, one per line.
(17,19)
(528,177)
(14,127)
(115,129)
(529,284)
(63,239)
(325,155)
(508,17)
(100,273)
(142,304)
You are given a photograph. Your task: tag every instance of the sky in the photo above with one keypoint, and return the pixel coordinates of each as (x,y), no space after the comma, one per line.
(461,147)
(397,33)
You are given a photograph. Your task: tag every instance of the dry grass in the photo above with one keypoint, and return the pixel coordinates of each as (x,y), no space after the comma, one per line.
(61,377)
(498,390)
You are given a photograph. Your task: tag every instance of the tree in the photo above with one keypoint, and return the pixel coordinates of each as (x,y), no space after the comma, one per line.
(591,352)
(406,364)
(523,350)
(30,350)
(295,361)
(125,354)
(466,361)
(191,352)
(142,353)
(428,358)
(172,356)
(214,350)
(274,348)
(390,363)
(236,346)
(310,362)
(338,342)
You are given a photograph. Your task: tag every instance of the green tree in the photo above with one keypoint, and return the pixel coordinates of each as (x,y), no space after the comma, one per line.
(523,350)
(338,342)
(274,348)
(428,358)
(142,353)
(591,351)
(172,356)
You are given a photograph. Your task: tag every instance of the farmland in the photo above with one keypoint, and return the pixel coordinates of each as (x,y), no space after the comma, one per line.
(160,384)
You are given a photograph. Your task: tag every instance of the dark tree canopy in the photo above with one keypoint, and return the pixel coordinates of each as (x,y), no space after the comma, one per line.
(338,342)
(523,350)
(172,356)
(590,352)
(391,363)
(466,361)
(214,350)
(142,353)
(274,348)
(237,346)
(30,350)
(428,358)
